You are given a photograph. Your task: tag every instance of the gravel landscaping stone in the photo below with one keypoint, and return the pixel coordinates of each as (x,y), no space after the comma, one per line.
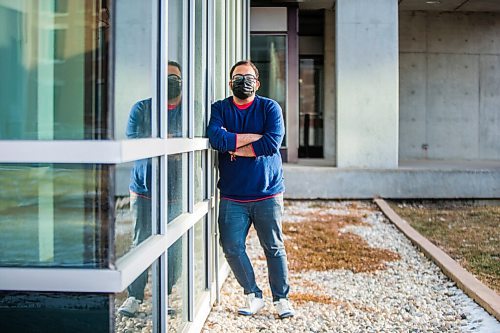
(410,295)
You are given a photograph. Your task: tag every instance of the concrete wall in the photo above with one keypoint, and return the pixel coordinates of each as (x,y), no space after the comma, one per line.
(367,83)
(449,86)
(403,182)
(329,114)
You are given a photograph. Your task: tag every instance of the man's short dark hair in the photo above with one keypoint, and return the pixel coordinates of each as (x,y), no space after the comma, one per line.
(244,62)
(175,64)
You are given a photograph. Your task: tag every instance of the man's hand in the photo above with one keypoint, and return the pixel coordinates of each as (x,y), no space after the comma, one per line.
(245,139)
(245,151)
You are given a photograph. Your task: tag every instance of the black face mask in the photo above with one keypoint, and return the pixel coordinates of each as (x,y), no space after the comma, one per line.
(243,86)
(174,86)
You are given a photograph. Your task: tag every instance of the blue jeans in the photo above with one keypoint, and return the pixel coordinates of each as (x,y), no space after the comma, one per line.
(141,214)
(235,219)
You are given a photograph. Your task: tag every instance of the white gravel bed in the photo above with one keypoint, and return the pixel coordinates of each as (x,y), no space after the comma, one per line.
(411,295)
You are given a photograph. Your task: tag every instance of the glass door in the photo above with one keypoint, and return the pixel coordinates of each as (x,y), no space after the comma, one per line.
(268,53)
(311,107)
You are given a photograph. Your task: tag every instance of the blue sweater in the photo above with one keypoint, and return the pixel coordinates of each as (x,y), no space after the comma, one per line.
(248,178)
(139,126)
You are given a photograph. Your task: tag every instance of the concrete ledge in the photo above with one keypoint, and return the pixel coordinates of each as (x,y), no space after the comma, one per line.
(480,293)
(316,182)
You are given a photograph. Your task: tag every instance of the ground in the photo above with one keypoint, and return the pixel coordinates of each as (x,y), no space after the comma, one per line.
(351,270)
(469,231)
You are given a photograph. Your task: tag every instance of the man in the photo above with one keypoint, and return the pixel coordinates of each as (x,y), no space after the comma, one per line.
(247,130)
(139,126)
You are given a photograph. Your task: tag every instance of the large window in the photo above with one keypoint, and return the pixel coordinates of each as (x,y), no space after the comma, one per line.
(311,106)
(52,311)
(54,70)
(268,52)
(55,215)
(199,67)
(107,179)
(177,78)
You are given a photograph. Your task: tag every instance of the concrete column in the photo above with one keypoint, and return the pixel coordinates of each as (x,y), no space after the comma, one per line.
(367,83)
(329,114)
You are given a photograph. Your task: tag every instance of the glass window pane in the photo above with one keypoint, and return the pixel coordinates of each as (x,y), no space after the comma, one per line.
(136,315)
(177,117)
(133,84)
(133,208)
(199,176)
(268,52)
(311,106)
(221,79)
(54,312)
(177,285)
(199,69)
(55,215)
(176,185)
(54,69)
(199,262)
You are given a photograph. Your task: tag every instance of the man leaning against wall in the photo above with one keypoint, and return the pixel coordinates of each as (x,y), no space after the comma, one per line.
(247,130)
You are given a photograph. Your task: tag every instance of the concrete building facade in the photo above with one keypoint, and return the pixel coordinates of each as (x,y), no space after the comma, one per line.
(408,94)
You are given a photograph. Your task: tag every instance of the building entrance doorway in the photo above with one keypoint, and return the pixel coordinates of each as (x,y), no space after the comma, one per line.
(311,107)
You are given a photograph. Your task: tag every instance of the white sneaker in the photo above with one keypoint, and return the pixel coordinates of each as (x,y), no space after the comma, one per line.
(130,307)
(284,308)
(254,304)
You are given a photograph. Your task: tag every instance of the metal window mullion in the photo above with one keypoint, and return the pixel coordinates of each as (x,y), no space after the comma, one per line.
(205,60)
(98,151)
(155,77)
(127,269)
(239,30)
(247,27)
(111,74)
(207,171)
(191,66)
(207,229)
(140,258)
(154,113)
(190,288)
(60,279)
(226,32)
(191,186)
(210,56)
(162,202)
(163,292)
(215,226)
(163,61)
(198,322)
(155,164)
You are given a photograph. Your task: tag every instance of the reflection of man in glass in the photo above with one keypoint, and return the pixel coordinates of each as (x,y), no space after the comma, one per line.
(139,126)
(247,130)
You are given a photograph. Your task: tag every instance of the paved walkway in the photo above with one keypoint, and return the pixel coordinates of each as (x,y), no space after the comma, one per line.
(408,294)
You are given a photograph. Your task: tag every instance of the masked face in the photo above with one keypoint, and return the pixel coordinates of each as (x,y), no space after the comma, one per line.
(243,86)
(174,86)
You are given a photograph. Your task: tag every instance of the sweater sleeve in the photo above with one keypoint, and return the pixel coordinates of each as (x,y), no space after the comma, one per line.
(274,131)
(219,137)
(133,128)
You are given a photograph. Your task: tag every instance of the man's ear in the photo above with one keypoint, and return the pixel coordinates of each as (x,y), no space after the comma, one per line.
(257,85)
(231,85)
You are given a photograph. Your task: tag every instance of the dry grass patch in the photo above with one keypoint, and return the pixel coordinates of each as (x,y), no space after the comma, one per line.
(318,244)
(468,232)
(302,298)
